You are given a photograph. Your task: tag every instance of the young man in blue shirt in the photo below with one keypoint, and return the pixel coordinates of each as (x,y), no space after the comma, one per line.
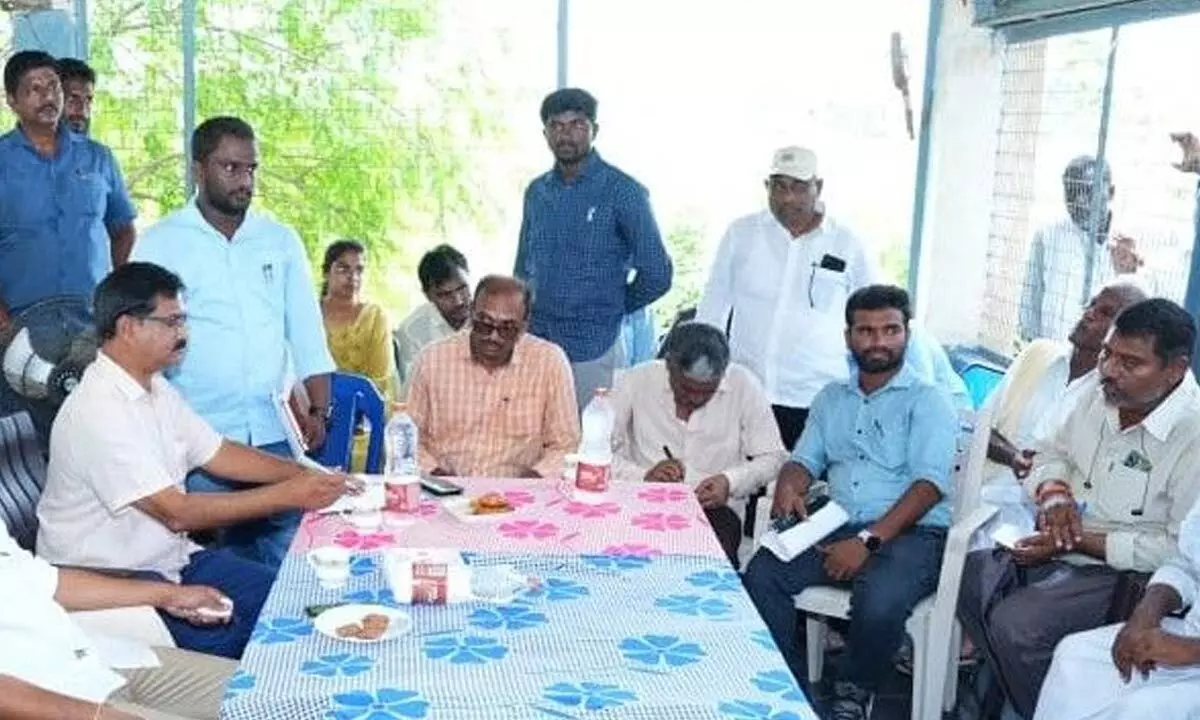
(885,439)
(589,247)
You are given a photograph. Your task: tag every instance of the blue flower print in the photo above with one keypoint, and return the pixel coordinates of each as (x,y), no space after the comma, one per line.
(556,590)
(340,664)
(509,617)
(778,682)
(372,597)
(362,565)
(589,696)
(272,631)
(764,640)
(618,562)
(469,650)
(747,710)
(716,580)
(695,605)
(387,704)
(661,650)
(240,682)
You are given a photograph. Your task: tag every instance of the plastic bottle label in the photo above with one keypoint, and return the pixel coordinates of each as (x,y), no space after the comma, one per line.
(430,584)
(592,478)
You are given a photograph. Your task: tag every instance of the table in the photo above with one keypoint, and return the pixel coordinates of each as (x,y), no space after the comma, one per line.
(638,616)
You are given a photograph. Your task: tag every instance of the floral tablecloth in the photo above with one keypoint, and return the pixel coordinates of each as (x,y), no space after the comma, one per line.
(629,621)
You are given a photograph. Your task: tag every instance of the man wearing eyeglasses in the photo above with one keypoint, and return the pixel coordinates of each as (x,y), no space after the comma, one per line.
(492,401)
(121,447)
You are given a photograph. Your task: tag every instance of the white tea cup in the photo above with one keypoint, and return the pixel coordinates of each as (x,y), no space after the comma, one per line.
(332,565)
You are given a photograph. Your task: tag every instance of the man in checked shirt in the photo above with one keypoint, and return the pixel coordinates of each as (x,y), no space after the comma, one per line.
(589,247)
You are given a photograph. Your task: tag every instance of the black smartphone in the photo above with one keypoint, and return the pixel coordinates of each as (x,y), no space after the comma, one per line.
(314,610)
(440,486)
(832,263)
(785,523)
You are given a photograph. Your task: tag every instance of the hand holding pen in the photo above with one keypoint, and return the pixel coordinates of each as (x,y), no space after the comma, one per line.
(669,470)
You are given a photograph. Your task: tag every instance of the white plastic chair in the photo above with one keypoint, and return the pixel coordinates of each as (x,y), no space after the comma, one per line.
(935,631)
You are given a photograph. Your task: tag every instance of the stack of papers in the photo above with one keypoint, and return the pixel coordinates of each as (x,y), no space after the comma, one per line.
(790,543)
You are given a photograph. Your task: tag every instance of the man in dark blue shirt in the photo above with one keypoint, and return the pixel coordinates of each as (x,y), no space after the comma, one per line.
(589,248)
(65,215)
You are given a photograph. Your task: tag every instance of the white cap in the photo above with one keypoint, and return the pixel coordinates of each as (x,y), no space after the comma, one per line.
(794,162)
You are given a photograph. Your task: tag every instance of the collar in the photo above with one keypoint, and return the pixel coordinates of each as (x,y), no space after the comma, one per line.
(120,378)
(63,137)
(190,213)
(436,317)
(907,377)
(1169,412)
(590,164)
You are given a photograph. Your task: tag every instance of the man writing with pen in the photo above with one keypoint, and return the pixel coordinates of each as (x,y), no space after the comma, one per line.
(694,418)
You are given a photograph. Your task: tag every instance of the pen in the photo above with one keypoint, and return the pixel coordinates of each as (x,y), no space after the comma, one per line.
(667,452)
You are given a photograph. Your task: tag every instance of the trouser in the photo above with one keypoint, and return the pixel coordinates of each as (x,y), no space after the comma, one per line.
(727,526)
(882,597)
(243,581)
(265,540)
(791,421)
(1083,683)
(1018,615)
(186,685)
(594,374)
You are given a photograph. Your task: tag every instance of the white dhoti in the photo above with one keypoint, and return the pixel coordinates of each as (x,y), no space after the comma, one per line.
(1083,683)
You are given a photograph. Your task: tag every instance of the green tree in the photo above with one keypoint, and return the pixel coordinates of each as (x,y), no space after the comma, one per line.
(684,241)
(356,140)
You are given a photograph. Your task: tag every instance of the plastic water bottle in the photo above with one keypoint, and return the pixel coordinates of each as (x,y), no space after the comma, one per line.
(594,470)
(400,440)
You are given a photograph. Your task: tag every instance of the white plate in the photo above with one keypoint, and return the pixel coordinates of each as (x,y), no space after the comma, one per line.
(329,621)
(460,508)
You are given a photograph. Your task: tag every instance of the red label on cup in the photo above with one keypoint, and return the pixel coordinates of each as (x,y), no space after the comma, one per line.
(401,497)
(592,478)
(430,584)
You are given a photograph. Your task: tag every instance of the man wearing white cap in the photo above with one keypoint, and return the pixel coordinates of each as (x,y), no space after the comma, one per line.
(780,282)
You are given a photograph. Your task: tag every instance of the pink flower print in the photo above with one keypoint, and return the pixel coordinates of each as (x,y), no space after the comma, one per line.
(364,541)
(660,522)
(632,550)
(528,529)
(519,498)
(590,511)
(664,494)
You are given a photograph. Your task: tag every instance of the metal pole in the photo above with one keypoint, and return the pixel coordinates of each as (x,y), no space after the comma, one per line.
(564,41)
(1097,253)
(188,42)
(924,146)
(81,30)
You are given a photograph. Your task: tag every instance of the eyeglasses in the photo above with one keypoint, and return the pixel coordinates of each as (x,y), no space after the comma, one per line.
(173,322)
(485,326)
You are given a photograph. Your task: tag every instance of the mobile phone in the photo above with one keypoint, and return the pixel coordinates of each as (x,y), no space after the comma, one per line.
(440,487)
(833,263)
(785,523)
(314,610)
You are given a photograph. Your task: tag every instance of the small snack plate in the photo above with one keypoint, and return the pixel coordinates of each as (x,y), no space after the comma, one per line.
(328,622)
(460,508)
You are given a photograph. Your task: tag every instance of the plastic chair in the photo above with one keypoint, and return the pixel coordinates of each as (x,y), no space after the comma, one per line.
(933,626)
(353,399)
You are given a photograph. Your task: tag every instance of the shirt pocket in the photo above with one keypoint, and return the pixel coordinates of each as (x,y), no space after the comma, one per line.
(86,194)
(884,440)
(1130,490)
(265,274)
(828,290)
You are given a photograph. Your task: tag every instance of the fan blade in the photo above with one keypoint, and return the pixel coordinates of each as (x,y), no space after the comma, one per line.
(27,373)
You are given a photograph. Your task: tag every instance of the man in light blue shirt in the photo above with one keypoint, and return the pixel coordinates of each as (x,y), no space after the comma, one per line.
(253,317)
(885,440)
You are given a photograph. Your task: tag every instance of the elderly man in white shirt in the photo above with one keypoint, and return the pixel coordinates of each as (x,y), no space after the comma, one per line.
(255,319)
(445,281)
(1147,668)
(50,669)
(121,446)
(697,419)
(1070,259)
(1112,486)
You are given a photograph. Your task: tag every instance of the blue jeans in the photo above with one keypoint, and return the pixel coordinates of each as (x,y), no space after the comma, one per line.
(266,540)
(882,596)
(243,581)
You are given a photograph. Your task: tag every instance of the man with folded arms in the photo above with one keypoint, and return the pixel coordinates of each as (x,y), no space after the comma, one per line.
(50,669)
(695,418)
(492,401)
(1112,486)
(121,447)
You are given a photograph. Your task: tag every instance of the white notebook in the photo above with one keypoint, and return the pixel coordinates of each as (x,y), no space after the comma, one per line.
(791,542)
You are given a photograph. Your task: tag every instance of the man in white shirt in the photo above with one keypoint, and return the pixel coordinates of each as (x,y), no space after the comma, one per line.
(1147,668)
(445,280)
(780,282)
(255,320)
(121,446)
(50,669)
(1111,486)
(1068,260)
(697,419)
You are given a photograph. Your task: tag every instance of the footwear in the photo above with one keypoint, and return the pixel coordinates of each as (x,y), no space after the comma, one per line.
(850,702)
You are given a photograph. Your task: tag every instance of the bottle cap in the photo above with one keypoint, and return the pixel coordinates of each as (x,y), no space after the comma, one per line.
(399,407)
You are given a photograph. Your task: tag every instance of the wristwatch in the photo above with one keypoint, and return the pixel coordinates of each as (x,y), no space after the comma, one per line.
(871,540)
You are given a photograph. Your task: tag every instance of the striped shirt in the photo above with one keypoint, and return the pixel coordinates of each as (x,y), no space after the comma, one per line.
(476,422)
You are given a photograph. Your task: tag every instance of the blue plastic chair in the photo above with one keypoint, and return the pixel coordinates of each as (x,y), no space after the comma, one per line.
(981,370)
(354,398)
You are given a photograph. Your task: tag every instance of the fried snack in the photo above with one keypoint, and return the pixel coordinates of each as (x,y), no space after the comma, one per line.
(371,627)
(490,504)
(349,631)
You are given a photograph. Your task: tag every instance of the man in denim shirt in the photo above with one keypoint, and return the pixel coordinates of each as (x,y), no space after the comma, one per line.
(589,247)
(885,439)
(65,215)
